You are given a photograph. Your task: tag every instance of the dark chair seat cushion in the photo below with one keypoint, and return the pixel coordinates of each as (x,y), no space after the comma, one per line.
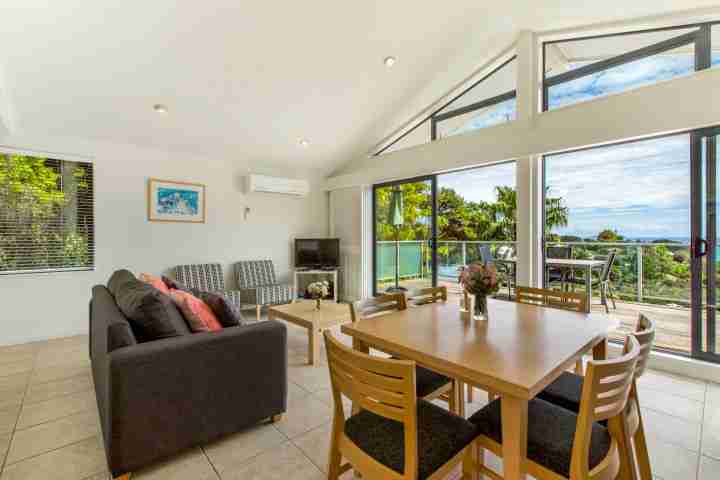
(428,381)
(551,431)
(441,436)
(564,392)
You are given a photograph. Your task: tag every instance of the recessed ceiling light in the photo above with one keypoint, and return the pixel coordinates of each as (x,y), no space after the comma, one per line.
(389,61)
(304,142)
(160,108)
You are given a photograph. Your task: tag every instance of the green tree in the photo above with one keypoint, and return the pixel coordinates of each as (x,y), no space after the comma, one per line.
(609,235)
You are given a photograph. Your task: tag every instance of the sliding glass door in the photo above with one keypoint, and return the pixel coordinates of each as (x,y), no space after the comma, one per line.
(706,342)
(404,233)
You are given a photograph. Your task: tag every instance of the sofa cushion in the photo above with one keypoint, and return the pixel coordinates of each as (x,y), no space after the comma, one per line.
(156,282)
(227,314)
(173,284)
(198,315)
(118,278)
(151,313)
(120,335)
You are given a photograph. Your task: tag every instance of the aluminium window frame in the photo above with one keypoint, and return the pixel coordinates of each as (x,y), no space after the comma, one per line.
(701,39)
(436,113)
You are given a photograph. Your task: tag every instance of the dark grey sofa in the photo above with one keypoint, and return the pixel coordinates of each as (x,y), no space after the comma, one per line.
(161,397)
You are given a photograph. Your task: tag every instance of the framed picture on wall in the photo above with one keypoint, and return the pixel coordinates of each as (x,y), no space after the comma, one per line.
(170,201)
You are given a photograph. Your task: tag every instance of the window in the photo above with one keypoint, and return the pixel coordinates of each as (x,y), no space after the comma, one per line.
(46,215)
(577,70)
(489,101)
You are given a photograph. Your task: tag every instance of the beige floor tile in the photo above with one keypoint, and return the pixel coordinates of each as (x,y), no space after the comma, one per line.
(295,394)
(311,378)
(55,408)
(49,436)
(73,462)
(669,383)
(11,397)
(315,444)
(13,382)
(20,349)
(50,374)
(14,368)
(230,452)
(326,396)
(282,463)
(4,445)
(309,413)
(191,465)
(711,424)
(670,461)
(672,429)
(8,418)
(99,476)
(45,391)
(709,469)
(63,356)
(16,356)
(677,406)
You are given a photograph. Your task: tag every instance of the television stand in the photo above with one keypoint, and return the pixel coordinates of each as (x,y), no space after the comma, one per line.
(316,271)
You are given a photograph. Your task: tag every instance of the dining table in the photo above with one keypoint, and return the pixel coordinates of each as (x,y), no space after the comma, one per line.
(587,266)
(516,352)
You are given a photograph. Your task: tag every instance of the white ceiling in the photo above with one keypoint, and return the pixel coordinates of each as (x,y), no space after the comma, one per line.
(251,78)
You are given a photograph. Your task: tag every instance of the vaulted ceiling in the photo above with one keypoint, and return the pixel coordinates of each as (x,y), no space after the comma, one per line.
(251,78)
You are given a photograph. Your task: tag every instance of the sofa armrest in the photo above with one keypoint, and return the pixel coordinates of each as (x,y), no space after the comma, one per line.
(176,393)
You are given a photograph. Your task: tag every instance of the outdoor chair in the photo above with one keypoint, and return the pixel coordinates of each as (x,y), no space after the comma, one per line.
(602,283)
(555,274)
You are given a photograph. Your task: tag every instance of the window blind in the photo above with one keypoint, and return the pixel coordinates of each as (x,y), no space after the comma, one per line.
(46,215)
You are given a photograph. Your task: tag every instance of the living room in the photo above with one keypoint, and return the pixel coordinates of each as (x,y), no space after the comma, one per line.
(306,183)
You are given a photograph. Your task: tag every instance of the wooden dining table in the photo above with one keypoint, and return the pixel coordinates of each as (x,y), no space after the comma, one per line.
(516,352)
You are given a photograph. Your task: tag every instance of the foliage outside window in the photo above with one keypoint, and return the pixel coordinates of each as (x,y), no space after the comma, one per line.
(46,214)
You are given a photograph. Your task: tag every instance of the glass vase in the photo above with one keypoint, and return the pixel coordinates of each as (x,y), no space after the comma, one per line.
(480,307)
(317,304)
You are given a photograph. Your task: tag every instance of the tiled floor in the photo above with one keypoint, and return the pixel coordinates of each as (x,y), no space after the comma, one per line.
(49,424)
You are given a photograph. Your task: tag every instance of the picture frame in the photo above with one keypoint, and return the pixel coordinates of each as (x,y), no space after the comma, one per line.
(172,201)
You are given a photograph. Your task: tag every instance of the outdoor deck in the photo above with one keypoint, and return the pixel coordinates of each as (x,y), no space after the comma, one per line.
(673,324)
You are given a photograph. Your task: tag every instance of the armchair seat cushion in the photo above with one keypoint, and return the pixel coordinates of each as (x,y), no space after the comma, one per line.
(441,436)
(274,294)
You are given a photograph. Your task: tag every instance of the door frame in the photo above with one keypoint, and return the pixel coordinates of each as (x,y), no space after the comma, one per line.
(433,224)
(703,339)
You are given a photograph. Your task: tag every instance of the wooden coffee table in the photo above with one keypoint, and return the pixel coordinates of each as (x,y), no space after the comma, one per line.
(304,314)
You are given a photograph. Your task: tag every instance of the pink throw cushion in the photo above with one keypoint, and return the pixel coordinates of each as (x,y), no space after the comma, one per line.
(154,281)
(198,314)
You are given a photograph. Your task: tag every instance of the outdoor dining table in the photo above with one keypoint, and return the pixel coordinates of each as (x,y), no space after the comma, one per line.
(516,352)
(586,266)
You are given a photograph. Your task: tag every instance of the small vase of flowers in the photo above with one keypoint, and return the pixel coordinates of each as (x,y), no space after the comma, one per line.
(480,280)
(317,291)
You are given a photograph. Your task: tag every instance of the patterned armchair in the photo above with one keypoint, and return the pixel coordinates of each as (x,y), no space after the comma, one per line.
(207,277)
(258,284)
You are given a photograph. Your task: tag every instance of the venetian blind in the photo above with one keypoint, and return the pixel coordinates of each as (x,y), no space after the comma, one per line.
(46,215)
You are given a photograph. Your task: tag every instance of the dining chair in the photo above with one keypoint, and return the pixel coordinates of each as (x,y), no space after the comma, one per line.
(602,282)
(566,445)
(566,392)
(393,435)
(575,302)
(430,385)
(556,274)
(422,296)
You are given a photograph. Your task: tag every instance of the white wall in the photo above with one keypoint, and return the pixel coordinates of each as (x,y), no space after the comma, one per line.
(44,306)
(346,223)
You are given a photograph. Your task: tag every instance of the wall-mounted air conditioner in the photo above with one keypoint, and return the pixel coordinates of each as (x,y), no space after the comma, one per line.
(284,186)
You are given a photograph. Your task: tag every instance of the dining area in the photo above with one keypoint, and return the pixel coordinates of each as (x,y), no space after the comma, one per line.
(559,405)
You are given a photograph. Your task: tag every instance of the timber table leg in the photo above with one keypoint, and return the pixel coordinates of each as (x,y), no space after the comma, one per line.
(313,345)
(514,432)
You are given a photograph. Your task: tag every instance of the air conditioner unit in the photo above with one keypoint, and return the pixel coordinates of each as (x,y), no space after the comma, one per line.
(284,186)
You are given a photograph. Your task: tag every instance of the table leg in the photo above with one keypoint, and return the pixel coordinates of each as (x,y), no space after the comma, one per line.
(313,345)
(514,432)
(600,350)
(588,288)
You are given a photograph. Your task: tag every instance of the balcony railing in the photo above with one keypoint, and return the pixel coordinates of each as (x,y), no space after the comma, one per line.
(643,272)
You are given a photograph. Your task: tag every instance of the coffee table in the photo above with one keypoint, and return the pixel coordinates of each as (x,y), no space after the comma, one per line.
(304,314)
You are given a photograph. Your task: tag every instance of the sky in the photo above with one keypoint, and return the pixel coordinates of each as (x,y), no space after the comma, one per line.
(640,189)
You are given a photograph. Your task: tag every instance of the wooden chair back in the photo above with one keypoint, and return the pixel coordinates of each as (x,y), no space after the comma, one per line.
(645,334)
(376,305)
(551,298)
(605,393)
(421,296)
(382,386)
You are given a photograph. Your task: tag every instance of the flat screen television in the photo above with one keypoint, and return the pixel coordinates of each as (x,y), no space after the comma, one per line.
(317,252)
